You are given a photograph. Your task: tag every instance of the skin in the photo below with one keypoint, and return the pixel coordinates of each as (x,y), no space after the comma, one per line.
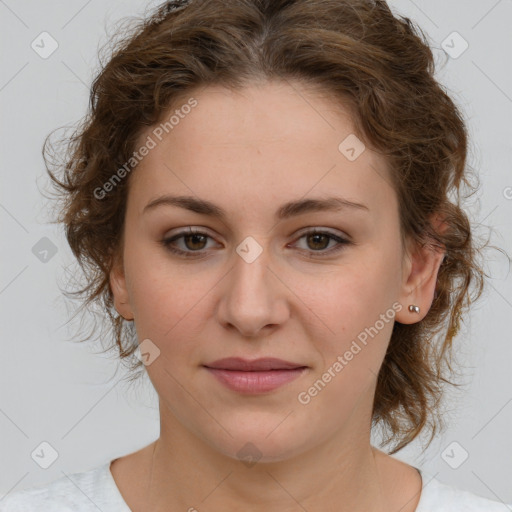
(249,152)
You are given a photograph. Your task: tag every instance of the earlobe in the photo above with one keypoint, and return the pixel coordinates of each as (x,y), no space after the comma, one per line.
(120,292)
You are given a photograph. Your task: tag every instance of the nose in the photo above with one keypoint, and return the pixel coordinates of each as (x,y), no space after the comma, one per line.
(253,299)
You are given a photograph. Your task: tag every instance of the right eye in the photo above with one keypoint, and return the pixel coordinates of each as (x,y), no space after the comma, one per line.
(193,243)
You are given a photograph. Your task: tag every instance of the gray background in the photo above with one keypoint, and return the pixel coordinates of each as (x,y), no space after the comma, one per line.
(62,393)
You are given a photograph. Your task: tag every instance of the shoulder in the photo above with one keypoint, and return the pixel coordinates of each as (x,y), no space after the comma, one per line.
(439,497)
(90,490)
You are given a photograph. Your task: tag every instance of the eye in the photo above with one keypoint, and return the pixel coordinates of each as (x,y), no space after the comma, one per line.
(318,241)
(193,243)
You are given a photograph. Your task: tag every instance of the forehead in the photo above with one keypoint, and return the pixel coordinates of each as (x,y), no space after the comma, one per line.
(272,140)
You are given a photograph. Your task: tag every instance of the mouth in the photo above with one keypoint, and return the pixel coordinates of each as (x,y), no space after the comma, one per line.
(256,365)
(254,377)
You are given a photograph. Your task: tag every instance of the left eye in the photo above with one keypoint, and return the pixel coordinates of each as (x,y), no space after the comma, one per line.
(194,242)
(318,241)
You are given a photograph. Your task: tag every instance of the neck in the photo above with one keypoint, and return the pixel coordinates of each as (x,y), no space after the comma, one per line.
(188,474)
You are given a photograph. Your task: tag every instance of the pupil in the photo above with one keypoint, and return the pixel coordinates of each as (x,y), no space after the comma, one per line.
(316,237)
(194,238)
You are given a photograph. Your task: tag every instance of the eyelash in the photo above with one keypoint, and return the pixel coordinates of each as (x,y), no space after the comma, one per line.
(341,243)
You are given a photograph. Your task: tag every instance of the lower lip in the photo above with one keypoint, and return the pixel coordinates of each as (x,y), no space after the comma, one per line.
(255,382)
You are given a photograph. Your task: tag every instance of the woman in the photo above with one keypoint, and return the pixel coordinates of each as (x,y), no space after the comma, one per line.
(261,201)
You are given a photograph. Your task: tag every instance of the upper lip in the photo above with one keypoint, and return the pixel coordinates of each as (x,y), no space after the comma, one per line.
(262,364)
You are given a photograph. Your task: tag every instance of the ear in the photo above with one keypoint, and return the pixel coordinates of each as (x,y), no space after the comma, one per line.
(119,290)
(419,277)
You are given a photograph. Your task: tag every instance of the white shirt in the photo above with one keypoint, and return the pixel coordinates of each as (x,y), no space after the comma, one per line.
(96,489)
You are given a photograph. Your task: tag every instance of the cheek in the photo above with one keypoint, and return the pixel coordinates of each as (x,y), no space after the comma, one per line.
(351,350)
(354,308)
(349,298)
(170,301)
(158,295)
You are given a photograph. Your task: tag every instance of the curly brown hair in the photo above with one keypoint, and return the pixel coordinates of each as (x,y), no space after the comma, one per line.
(377,64)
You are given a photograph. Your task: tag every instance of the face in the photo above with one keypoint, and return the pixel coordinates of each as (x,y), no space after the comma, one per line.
(255,281)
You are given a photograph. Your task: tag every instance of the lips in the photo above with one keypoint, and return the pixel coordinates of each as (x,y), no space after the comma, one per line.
(254,377)
(257,365)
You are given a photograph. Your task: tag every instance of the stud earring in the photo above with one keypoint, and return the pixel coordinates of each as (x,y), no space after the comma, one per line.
(413,308)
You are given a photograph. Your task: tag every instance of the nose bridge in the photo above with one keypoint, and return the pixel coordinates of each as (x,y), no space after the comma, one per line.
(249,279)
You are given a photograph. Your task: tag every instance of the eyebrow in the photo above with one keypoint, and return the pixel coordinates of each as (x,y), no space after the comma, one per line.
(287,210)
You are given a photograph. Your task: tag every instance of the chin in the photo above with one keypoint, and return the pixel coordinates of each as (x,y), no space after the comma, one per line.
(252,446)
